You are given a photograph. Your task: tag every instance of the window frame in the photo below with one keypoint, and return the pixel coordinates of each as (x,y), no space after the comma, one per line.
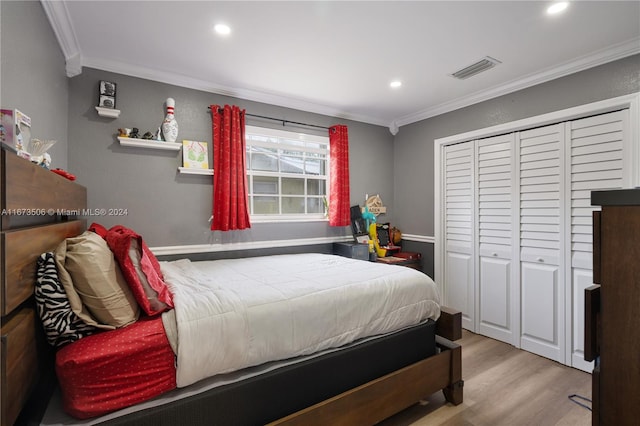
(287,135)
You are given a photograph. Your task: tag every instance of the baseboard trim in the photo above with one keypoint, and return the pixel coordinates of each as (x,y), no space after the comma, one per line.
(250,245)
(419,238)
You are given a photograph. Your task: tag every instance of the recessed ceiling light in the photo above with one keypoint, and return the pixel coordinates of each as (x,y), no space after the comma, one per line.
(395,84)
(222,29)
(557,7)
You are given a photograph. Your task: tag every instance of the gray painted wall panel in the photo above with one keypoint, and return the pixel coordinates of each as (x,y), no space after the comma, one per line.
(32,73)
(169,208)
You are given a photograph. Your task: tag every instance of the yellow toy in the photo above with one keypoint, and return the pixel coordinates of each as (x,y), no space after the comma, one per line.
(373,234)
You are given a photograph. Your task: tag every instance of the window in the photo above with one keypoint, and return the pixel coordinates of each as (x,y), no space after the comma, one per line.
(288,174)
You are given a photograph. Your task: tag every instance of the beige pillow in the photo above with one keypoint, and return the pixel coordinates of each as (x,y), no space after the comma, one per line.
(95,286)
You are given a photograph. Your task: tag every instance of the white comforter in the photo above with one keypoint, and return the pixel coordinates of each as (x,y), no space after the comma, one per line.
(232,314)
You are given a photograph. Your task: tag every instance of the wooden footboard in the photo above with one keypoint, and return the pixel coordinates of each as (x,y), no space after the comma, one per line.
(449,325)
(381,398)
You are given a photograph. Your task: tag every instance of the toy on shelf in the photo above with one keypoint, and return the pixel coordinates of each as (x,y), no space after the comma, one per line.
(15,131)
(396,236)
(373,234)
(381,236)
(64,173)
(369,217)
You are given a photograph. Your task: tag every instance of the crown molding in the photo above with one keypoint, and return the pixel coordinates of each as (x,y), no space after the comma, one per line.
(74,65)
(619,51)
(58,16)
(207,86)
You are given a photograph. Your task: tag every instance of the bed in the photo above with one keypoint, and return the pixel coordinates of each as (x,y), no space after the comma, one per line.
(360,382)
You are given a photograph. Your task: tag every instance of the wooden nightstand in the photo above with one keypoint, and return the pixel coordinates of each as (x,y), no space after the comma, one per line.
(413,260)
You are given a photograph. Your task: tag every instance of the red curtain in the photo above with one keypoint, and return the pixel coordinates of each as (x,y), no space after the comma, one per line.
(230,206)
(339,201)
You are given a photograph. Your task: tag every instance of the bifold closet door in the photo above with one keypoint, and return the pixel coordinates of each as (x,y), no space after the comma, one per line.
(459,230)
(596,161)
(495,284)
(541,168)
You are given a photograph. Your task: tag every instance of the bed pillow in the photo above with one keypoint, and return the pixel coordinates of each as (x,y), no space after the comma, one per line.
(98,229)
(141,270)
(97,291)
(60,324)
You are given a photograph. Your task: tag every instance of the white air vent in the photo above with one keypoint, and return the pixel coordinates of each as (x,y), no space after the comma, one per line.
(482,65)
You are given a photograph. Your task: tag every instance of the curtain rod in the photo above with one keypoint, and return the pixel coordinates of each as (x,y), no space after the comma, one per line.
(282,120)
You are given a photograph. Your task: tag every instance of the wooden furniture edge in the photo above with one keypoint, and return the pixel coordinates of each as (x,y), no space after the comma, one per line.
(21,248)
(453,393)
(37,207)
(21,365)
(29,187)
(596,246)
(592,322)
(383,397)
(449,325)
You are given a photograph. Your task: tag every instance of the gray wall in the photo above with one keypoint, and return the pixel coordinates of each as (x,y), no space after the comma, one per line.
(32,73)
(169,208)
(413,145)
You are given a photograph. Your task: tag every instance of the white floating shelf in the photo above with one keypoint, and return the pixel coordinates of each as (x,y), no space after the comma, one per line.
(145,143)
(190,171)
(108,112)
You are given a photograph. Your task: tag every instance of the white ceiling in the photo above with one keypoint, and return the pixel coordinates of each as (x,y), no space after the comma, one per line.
(338,58)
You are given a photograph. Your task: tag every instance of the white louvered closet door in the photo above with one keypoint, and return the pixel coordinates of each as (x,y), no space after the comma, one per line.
(541,168)
(495,288)
(459,230)
(595,162)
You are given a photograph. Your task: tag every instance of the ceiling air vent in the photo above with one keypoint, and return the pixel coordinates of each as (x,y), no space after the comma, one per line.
(482,65)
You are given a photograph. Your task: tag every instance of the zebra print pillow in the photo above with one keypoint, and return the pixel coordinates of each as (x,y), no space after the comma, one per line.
(60,323)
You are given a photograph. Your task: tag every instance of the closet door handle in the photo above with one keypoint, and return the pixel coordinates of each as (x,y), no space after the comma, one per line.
(540,259)
(494,254)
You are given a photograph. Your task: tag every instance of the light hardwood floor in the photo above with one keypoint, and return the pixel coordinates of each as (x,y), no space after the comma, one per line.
(505,386)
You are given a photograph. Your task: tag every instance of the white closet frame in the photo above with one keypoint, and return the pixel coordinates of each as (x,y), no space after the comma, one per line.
(632,166)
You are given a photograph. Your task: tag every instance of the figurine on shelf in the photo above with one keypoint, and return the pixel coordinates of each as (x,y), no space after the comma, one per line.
(158,136)
(170,125)
(43,160)
(148,136)
(64,173)
(124,132)
(135,133)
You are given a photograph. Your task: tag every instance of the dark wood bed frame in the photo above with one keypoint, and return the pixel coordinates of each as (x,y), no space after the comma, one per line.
(46,202)
(381,398)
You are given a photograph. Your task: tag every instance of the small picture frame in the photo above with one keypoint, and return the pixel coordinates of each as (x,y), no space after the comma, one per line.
(107,101)
(107,95)
(107,88)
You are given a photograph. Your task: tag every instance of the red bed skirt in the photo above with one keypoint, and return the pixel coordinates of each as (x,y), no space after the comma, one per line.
(116,369)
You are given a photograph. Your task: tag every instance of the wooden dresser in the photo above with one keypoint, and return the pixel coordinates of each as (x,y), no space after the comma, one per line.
(36,206)
(612,337)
